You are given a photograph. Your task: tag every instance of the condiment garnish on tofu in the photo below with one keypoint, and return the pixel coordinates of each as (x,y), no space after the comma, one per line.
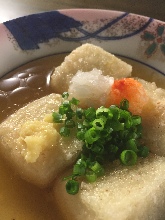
(108,133)
(38,136)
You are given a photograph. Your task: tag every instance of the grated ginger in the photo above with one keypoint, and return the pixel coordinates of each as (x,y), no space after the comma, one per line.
(37,136)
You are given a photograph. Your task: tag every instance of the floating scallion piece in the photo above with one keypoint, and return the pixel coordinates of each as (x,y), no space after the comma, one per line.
(107,134)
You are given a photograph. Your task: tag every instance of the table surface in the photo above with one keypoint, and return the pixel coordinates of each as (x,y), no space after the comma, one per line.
(10,9)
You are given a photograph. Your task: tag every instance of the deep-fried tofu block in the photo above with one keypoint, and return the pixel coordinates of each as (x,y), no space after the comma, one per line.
(153,118)
(85,58)
(125,193)
(31,143)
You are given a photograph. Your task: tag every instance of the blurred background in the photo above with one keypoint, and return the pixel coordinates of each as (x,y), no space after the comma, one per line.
(10,9)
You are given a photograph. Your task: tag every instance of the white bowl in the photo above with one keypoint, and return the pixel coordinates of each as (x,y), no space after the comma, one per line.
(27,38)
(132,36)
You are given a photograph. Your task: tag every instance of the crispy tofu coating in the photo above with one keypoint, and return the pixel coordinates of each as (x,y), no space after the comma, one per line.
(32,145)
(124,193)
(85,58)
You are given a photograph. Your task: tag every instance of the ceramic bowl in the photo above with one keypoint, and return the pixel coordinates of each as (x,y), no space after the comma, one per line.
(38,35)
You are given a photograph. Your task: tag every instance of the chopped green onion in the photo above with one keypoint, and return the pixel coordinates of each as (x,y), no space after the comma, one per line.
(79,113)
(98,148)
(80,135)
(128,157)
(64,131)
(86,123)
(104,112)
(74,101)
(97,168)
(65,95)
(66,104)
(117,126)
(113,148)
(91,176)
(126,117)
(131,145)
(115,112)
(98,124)
(72,187)
(124,104)
(90,113)
(143,151)
(70,123)
(107,134)
(79,169)
(62,110)
(65,108)
(57,118)
(136,120)
(70,114)
(91,136)
(80,126)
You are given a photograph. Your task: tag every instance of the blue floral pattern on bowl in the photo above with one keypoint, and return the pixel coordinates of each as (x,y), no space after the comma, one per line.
(130,35)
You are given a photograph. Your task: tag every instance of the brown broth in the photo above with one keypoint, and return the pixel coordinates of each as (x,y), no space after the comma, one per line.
(19,199)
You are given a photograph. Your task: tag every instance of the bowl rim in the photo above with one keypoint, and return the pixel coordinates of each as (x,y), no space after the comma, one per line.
(73,13)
